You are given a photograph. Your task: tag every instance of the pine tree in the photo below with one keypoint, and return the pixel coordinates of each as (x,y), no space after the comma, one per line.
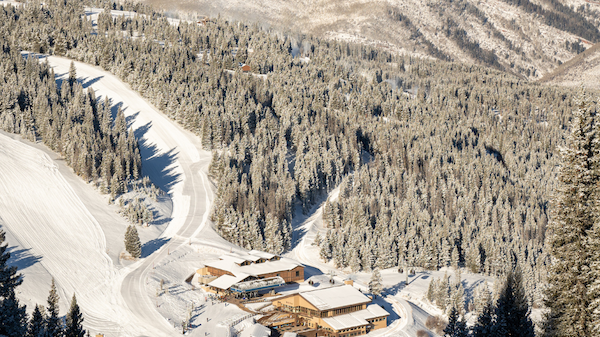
(573,217)
(456,326)
(132,242)
(54,326)
(72,74)
(74,320)
(37,325)
(484,326)
(9,279)
(13,318)
(512,307)
(375,286)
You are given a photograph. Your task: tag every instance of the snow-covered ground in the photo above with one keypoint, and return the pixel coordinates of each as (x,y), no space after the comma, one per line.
(127,299)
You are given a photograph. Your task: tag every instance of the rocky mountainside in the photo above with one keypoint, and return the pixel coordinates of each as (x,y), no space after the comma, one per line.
(526,37)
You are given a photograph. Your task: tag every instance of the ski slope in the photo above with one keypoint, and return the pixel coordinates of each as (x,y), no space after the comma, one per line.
(43,214)
(182,174)
(45,206)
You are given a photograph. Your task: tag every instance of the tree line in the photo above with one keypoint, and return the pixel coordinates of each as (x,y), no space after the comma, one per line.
(439,163)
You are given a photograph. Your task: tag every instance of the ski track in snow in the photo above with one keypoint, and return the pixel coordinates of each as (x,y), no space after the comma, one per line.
(34,198)
(42,212)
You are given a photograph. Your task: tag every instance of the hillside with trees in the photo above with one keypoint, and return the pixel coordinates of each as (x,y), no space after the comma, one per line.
(439,163)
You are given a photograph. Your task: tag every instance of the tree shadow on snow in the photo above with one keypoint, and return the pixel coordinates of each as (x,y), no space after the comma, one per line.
(85,83)
(22,258)
(387,306)
(157,165)
(152,246)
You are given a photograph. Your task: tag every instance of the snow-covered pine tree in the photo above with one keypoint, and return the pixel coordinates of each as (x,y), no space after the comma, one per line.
(74,320)
(54,325)
(375,286)
(37,324)
(572,218)
(132,242)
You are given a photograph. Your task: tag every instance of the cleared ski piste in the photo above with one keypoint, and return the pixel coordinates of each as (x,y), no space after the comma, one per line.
(53,234)
(126,301)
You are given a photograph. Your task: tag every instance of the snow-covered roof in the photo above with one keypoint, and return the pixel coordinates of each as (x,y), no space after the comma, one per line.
(262,254)
(256,330)
(226,281)
(372,311)
(354,319)
(232,263)
(345,321)
(335,297)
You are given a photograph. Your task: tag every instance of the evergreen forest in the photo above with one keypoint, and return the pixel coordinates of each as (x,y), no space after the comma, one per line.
(437,163)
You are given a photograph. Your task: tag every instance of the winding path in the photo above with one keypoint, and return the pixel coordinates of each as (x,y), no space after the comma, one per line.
(184,177)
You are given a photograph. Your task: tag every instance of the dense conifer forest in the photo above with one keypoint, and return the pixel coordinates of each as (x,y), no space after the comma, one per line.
(438,163)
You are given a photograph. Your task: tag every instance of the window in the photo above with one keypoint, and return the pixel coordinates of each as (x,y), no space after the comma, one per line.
(297,273)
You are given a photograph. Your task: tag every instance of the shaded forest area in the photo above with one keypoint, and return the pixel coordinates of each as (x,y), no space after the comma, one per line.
(438,163)
(561,17)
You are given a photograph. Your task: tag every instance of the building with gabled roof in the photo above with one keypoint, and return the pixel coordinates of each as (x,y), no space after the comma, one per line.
(337,311)
(240,273)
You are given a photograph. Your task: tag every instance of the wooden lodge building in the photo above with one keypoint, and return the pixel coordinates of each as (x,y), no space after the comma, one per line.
(339,311)
(249,273)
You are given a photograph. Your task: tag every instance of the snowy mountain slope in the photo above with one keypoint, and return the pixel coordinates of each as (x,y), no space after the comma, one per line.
(496,33)
(584,70)
(42,212)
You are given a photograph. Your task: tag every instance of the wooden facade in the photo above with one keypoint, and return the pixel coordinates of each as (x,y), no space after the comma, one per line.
(308,315)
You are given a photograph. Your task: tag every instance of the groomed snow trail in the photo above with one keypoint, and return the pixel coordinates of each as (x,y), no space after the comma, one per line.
(181,168)
(43,213)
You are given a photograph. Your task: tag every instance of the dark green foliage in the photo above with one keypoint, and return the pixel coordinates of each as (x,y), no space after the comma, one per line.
(74,321)
(37,324)
(132,242)
(484,326)
(456,326)
(512,310)
(54,324)
(9,279)
(13,318)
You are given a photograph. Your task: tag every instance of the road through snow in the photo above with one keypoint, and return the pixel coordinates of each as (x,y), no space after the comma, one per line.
(115,302)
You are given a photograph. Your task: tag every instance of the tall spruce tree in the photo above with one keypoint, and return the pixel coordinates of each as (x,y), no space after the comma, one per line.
(13,319)
(74,320)
(37,325)
(572,219)
(54,325)
(456,326)
(9,279)
(132,242)
(484,326)
(512,308)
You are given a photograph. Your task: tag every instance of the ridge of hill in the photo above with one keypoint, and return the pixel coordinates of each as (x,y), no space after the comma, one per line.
(583,69)
(528,38)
